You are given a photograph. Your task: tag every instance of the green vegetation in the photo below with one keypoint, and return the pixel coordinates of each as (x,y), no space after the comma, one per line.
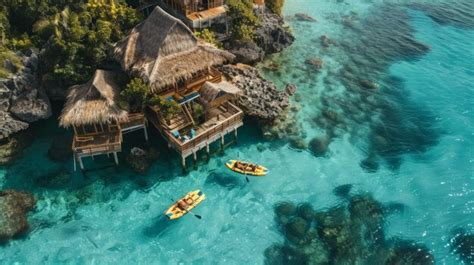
(76,35)
(12,58)
(168,108)
(209,37)
(135,96)
(243,17)
(276,6)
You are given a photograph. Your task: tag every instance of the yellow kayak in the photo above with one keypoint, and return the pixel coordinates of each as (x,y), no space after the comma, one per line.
(191,200)
(246,168)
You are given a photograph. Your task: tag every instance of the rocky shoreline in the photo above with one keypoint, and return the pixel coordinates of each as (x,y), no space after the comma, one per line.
(271,36)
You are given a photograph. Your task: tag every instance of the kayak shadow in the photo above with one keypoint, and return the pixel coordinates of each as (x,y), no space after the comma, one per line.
(158,228)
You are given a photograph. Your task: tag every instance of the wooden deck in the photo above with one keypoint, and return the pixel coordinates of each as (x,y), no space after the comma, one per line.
(207,14)
(222,121)
(97,144)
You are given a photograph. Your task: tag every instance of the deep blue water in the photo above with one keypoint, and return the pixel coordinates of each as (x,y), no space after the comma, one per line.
(416,130)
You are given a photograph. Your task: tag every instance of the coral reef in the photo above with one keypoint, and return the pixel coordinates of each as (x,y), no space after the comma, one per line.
(349,233)
(13,208)
(141,160)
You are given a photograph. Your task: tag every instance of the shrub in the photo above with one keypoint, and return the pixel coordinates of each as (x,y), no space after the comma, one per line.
(209,37)
(168,108)
(135,96)
(243,17)
(276,6)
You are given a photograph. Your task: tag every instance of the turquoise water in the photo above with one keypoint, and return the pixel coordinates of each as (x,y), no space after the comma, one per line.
(420,117)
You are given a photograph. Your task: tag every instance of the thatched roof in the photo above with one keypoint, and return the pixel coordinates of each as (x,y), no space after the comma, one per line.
(93,102)
(210,91)
(162,51)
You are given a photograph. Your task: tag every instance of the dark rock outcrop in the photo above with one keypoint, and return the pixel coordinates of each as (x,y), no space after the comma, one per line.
(261,99)
(12,147)
(14,206)
(22,100)
(271,36)
(247,52)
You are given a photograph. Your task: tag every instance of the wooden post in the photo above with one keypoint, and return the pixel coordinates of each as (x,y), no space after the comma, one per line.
(222,141)
(146,133)
(74,158)
(81,165)
(183,162)
(194,155)
(235,134)
(116,158)
(207,147)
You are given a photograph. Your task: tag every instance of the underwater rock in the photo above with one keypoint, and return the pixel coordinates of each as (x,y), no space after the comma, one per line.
(316,63)
(261,147)
(305,211)
(283,212)
(12,148)
(369,164)
(368,84)
(298,143)
(319,146)
(296,229)
(141,160)
(284,255)
(343,190)
(408,253)
(394,207)
(462,243)
(60,149)
(365,209)
(56,179)
(326,41)
(13,208)
(304,17)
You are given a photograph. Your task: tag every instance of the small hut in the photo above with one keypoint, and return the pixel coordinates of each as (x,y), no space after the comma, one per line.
(91,110)
(166,54)
(214,95)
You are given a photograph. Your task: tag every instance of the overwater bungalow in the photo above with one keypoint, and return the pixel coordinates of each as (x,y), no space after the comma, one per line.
(163,51)
(98,122)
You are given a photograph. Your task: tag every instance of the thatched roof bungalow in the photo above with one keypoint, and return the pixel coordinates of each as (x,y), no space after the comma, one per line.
(163,51)
(94,102)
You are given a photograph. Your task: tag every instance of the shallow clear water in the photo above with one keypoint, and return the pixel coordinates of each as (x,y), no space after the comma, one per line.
(116,216)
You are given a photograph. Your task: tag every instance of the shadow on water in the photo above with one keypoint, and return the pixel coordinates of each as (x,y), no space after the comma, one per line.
(159,227)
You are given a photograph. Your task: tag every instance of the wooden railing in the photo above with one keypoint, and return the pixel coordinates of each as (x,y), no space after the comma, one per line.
(91,146)
(209,134)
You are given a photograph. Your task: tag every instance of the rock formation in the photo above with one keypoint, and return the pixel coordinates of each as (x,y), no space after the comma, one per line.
(22,100)
(261,99)
(13,208)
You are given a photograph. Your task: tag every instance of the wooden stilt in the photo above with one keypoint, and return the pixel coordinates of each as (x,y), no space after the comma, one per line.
(116,158)
(74,159)
(207,147)
(81,165)
(222,141)
(146,133)
(235,134)
(92,157)
(183,162)
(194,156)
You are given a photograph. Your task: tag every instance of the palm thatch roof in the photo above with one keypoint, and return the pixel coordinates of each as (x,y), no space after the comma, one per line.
(162,50)
(93,102)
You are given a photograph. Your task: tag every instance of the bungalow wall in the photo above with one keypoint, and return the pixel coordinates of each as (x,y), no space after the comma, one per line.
(187,7)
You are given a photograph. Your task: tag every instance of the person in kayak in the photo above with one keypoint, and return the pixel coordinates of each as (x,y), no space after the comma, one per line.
(183,204)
